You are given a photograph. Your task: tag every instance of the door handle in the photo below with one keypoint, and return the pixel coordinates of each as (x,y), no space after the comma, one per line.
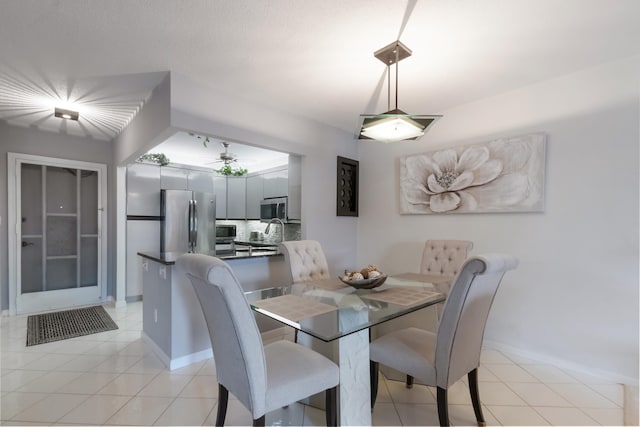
(193,225)
(25,244)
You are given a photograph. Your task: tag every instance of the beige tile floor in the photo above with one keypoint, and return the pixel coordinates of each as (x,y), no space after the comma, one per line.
(113,378)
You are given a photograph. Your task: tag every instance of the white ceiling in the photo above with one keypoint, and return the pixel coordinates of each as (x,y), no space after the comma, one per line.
(307,57)
(188,149)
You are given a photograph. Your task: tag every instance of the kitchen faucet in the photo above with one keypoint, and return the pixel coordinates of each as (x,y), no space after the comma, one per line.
(272,220)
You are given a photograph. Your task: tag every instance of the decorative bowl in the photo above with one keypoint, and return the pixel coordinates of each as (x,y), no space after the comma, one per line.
(365,283)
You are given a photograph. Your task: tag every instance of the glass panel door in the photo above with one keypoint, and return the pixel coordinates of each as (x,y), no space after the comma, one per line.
(61,225)
(88,228)
(60,237)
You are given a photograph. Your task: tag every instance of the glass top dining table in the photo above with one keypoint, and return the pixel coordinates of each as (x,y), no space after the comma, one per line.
(328,309)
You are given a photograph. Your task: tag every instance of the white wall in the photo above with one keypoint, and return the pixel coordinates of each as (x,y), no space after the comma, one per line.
(197,109)
(574,298)
(33,141)
(148,128)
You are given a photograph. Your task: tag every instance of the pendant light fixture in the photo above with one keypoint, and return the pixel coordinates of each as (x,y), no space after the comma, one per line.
(394,125)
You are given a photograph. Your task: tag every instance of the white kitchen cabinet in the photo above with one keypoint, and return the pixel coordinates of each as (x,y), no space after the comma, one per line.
(173,178)
(254,196)
(275,183)
(236,197)
(220,190)
(200,181)
(143,189)
(295,188)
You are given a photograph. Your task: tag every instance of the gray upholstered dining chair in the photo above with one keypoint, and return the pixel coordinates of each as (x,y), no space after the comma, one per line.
(263,378)
(441,359)
(441,262)
(306,260)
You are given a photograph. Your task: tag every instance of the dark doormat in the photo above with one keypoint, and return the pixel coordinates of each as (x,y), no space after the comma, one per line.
(61,325)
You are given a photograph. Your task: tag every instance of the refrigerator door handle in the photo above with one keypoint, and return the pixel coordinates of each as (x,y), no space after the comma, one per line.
(193,225)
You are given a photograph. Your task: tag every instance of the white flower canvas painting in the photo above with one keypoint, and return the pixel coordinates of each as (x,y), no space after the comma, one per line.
(504,175)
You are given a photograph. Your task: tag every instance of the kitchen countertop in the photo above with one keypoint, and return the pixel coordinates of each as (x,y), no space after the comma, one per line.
(256,243)
(169,258)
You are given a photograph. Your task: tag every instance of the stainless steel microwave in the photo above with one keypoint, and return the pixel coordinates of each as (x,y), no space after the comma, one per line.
(273,208)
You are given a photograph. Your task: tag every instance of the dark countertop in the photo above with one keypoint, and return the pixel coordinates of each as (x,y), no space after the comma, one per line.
(169,258)
(256,243)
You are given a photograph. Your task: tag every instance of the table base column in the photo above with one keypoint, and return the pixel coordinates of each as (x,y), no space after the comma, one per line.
(355,387)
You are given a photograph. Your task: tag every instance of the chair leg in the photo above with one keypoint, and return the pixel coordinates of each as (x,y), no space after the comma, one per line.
(223,398)
(331,406)
(443,411)
(373,376)
(475,396)
(409,381)
(259,422)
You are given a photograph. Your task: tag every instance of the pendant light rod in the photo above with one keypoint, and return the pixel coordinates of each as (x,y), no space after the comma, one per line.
(388,87)
(397,60)
(392,54)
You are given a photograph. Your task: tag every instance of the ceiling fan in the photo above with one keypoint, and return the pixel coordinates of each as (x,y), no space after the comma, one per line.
(226,157)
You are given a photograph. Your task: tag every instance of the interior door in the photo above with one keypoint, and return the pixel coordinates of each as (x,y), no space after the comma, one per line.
(60,256)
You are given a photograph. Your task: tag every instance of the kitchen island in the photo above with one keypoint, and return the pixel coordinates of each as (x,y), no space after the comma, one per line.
(172,320)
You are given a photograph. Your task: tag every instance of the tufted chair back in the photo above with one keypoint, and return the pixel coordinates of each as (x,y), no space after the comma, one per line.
(444,257)
(306,260)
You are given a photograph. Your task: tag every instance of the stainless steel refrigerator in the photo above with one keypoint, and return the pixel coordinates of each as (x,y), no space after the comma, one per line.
(188,221)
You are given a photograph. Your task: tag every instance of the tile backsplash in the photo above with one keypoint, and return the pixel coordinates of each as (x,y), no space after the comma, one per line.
(244,229)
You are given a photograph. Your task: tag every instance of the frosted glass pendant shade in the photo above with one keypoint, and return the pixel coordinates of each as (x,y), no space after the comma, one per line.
(394,125)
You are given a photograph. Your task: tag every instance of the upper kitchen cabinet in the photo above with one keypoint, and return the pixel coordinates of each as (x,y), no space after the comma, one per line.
(143,189)
(295,188)
(236,197)
(180,178)
(200,181)
(254,196)
(173,178)
(276,183)
(230,194)
(220,190)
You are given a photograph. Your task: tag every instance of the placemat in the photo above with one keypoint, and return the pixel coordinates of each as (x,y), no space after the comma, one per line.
(402,295)
(293,307)
(328,284)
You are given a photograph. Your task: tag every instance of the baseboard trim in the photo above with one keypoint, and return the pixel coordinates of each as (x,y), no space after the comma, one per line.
(183,361)
(178,362)
(156,349)
(563,363)
(133,298)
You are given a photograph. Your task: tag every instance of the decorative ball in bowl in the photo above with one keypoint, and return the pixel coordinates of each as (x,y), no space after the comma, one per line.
(367,278)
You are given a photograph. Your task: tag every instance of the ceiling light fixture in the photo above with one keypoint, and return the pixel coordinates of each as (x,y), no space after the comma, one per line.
(66,114)
(394,125)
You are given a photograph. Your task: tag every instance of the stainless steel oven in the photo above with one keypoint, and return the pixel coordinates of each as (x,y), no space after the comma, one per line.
(273,208)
